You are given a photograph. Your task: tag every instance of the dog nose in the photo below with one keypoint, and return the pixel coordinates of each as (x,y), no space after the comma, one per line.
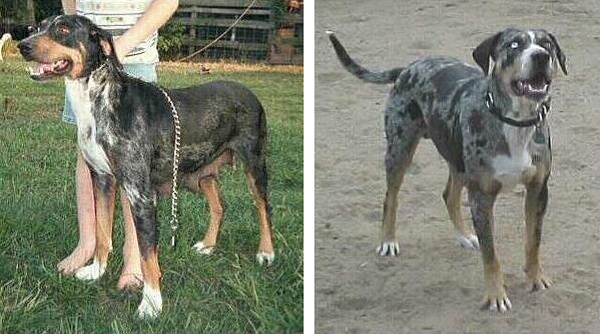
(24,48)
(541,57)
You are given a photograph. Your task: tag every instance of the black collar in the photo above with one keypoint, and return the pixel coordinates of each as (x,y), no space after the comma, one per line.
(542,112)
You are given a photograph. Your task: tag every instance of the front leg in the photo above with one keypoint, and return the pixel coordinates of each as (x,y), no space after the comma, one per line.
(143,207)
(535,208)
(482,210)
(104,200)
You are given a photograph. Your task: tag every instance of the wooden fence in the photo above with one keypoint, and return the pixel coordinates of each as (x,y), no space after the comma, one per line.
(255,38)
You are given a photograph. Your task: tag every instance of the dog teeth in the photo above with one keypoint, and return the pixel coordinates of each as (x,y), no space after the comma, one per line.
(37,70)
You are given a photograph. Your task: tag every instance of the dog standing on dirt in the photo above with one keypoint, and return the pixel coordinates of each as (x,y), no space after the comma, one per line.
(491,129)
(125,131)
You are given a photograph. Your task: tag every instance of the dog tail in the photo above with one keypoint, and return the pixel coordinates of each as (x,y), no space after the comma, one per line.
(384,77)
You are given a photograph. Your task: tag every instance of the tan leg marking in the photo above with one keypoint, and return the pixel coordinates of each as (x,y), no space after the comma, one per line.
(210,188)
(452,198)
(482,210)
(397,162)
(265,248)
(151,304)
(535,207)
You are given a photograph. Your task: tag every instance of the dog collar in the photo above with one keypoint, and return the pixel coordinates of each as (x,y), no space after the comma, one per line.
(542,112)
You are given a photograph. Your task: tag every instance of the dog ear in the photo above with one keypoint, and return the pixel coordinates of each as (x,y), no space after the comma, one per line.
(484,51)
(562,59)
(105,41)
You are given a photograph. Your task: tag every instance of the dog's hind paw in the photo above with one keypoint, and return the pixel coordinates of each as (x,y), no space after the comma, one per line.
(202,249)
(390,248)
(468,242)
(266,258)
(539,282)
(90,273)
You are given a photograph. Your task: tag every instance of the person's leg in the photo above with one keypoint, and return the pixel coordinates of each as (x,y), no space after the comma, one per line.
(86,215)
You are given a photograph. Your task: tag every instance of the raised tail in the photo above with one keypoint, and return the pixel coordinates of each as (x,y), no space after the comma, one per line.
(360,72)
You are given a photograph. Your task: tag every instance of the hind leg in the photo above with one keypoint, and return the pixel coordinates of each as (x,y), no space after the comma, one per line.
(452,199)
(210,188)
(257,181)
(403,131)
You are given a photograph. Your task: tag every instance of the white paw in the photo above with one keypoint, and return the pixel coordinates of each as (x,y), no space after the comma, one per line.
(90,273)
(468,242)
(200,248)
(151,304)
(390,248)
(501,304)
(265,258)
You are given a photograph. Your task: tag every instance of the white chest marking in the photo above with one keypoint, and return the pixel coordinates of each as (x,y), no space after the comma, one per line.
(515,168)
(79,95)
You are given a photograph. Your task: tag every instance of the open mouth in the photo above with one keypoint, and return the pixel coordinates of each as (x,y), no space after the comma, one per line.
(41,71)
(534,88)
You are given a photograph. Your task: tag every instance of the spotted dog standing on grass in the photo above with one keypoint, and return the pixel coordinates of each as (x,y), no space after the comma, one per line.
(491,129)
(125,132)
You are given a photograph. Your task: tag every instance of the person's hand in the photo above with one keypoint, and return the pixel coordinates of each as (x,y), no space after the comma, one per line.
(121,50)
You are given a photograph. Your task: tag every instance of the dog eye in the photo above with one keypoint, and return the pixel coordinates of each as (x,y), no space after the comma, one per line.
(514,45)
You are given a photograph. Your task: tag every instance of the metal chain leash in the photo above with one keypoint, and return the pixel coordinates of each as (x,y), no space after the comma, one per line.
(177,128)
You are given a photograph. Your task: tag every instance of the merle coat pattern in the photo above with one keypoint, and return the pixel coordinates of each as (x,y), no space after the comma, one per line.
(466,112)
(126,135)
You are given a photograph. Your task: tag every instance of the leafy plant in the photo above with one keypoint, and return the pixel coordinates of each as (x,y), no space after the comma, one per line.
(170,39)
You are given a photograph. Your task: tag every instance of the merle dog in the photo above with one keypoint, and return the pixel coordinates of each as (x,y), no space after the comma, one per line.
(126,134)
(489,126)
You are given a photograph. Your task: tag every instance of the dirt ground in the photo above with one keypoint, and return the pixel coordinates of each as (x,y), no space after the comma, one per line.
(434,286)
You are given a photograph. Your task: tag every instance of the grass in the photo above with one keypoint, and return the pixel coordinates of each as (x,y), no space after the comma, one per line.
(226,292)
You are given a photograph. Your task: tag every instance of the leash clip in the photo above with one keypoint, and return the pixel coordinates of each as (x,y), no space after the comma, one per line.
(542,114)
(173,240)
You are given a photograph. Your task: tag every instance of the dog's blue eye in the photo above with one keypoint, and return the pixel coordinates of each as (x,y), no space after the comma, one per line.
(514,45)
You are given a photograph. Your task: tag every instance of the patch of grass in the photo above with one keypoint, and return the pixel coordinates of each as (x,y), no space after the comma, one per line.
(226,292)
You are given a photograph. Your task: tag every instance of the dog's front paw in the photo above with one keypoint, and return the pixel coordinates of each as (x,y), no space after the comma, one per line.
(90,273)
(203,249)
(151,304)
(391,248)
(468,242)
(266,258)
(497,302)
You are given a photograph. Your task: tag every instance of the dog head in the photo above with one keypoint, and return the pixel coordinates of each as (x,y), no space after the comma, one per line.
(68,45)
(524,61)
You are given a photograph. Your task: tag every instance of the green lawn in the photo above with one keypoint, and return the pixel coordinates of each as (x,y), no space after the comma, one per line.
(226,292)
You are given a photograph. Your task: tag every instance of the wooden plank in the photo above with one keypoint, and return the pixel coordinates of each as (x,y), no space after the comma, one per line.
(295,41)
(227,11)
(225,3)
(228,44)
(223,23)
(193,32)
